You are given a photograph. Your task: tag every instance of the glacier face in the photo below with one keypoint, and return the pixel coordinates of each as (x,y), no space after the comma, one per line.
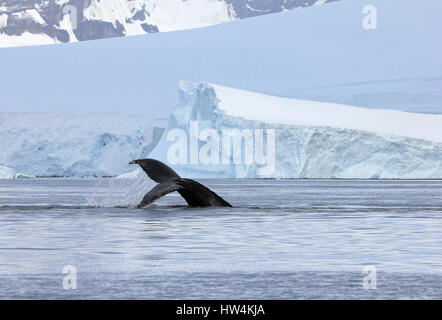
(312,139)
(33,22)
(57,144)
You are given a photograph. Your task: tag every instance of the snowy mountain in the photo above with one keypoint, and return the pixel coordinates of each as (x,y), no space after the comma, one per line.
(309,139)
(33,22)
(56,144)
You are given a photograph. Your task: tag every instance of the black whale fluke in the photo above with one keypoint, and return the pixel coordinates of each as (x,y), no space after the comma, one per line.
(195,194)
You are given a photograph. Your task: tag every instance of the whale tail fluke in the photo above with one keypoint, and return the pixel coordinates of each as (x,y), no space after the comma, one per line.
(195,194)
(160,190)
(156,170)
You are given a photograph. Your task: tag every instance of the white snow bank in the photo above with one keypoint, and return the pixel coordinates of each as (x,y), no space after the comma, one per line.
(171,15)
(34,15)
(312,139)
(25,39)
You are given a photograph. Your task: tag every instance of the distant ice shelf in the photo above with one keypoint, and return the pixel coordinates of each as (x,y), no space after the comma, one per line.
(74,145)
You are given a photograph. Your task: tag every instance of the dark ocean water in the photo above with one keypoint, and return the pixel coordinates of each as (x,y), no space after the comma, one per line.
(284,239)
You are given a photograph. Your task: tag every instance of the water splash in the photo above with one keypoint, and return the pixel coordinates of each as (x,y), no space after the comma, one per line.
(126,193)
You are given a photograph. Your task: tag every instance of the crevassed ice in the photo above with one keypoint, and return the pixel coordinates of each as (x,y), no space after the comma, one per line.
(63,144)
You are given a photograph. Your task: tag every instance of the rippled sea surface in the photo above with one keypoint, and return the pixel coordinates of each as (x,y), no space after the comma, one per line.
(287,239)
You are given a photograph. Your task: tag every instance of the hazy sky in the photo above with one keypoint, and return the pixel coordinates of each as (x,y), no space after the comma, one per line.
(301,53)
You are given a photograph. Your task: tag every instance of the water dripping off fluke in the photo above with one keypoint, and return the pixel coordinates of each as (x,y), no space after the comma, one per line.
(124,193)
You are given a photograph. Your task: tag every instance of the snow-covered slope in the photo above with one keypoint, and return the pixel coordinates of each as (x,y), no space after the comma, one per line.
(32,22)
(312,139)
(56,144)
(276,110)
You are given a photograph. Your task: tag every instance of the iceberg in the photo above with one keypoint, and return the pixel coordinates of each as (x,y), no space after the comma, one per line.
(310,139)
(9,174)
(75,145)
